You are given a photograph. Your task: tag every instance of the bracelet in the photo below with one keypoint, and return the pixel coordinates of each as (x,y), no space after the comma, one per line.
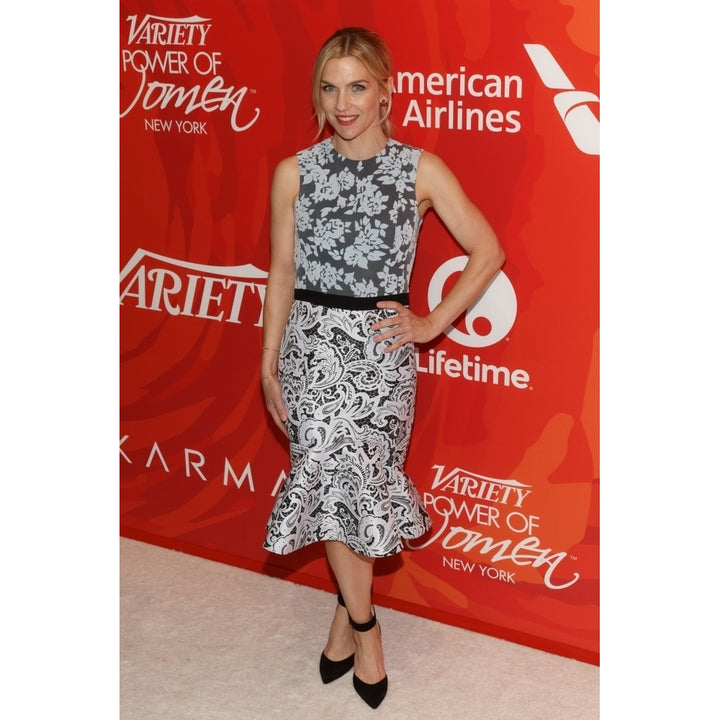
(271,349)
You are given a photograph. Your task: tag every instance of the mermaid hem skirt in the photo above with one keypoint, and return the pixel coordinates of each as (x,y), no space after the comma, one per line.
(351,408)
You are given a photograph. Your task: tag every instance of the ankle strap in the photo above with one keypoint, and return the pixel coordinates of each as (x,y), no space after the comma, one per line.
(340,599)
(364,627)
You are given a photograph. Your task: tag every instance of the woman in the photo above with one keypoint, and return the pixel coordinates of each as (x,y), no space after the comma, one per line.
(338,366)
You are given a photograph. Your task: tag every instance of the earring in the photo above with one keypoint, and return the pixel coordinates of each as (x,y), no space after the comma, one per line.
(383,101)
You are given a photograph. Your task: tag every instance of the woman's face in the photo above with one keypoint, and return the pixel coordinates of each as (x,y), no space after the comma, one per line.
(350,97)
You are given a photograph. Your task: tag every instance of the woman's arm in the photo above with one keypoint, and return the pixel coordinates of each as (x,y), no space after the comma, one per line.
(437,187)
(280,283)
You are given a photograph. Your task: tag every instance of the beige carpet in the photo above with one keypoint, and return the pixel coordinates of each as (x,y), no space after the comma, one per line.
(206,641)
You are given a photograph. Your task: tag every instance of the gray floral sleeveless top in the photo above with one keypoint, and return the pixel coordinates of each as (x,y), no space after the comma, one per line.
(356,221)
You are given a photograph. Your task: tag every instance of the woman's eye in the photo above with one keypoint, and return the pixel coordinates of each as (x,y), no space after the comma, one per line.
(358,88)
(327,88)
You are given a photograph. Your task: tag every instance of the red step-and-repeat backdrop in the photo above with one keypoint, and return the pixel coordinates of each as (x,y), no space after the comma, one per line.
(213,94)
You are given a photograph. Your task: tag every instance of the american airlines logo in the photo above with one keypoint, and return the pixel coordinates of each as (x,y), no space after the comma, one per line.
(571,104)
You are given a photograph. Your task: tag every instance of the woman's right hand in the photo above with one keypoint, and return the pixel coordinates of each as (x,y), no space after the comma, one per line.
(274,401)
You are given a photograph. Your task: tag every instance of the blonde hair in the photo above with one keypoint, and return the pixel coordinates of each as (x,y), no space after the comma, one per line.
(370,49)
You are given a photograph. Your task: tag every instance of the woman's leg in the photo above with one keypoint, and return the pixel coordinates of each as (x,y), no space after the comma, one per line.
(354,574)
(340,643)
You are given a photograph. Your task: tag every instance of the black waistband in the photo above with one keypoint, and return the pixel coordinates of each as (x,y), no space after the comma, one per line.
(346,302)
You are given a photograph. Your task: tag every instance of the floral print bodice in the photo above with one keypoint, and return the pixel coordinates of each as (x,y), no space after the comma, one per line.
(356,221)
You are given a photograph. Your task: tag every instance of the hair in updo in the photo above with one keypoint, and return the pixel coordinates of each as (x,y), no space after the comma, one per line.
(370,49)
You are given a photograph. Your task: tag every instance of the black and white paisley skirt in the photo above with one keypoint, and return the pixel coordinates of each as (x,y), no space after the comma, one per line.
(351,410)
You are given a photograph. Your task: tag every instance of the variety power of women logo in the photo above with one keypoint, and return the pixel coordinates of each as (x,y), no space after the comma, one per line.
(178,48)
(496,506)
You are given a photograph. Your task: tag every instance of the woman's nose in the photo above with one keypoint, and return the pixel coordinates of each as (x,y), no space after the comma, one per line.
(343,100)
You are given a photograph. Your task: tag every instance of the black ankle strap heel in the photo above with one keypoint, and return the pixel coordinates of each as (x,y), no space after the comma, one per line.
(333,669)
(373,694)
(364,627)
